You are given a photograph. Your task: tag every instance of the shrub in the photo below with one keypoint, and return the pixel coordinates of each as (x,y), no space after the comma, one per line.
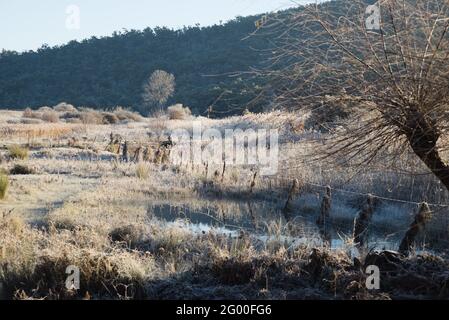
(64,107)
(123,114)
(30,114)
(91,117)
(130,234)
(110,118)
(178,112)
(44,109)
(50,116)
(142,171)
(18,152)
(21,170)
(4,184)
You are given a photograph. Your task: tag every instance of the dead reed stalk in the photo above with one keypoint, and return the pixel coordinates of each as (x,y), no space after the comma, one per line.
(253,183)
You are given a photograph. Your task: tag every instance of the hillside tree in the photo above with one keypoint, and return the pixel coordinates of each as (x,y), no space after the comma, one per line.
(159,87)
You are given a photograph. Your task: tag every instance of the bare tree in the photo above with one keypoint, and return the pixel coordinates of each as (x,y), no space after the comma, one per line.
(388,63)
(159,87)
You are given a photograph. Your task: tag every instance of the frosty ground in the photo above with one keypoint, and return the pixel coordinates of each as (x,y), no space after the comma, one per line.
(151,229)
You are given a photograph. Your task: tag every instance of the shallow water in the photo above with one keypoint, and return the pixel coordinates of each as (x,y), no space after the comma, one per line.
(265,221)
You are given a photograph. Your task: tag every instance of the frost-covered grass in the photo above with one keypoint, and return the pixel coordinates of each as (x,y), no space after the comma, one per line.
(82,206)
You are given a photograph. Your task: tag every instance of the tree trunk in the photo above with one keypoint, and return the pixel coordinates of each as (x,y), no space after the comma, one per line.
(423,140)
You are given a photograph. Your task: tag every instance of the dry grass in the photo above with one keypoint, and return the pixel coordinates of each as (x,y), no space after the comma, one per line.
(4,184)
(142,170)
(18,152)
(88,209)
(50,116)
(35,131)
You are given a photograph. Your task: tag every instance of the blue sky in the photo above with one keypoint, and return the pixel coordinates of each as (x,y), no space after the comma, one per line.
(27,24)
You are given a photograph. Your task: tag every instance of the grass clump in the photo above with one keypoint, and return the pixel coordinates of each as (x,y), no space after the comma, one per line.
(130,234)
(19,169)
(127,115)
(142,171)
(4,184)
(30,114)
(64,107)
(110,118)
(50,116)
(178,112)
(18,152)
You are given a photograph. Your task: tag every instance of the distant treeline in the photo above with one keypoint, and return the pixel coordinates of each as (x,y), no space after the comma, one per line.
(110,71)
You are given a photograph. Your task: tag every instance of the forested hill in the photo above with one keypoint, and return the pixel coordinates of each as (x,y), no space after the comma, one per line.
(110,71)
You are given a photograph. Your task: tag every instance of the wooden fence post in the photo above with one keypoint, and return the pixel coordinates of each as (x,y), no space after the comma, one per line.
(363,220)
(223,172)
(421,218)
(293,190)
(125,156)
(325,207)
(253,183)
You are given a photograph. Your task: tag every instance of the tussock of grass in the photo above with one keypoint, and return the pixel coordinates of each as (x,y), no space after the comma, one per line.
(142,171)
(19,169)
(110,118)
(64,107)
(18,152)
(4,184)
(178,112)
(129,234)
(33,264)
(50,116)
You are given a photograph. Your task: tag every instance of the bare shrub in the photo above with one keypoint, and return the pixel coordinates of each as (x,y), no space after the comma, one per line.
(89,116)
(64,107)
(44,109)
(21,170)
(178,112)
(29,113)
(50,116)
(130,234)
(110,118)
(123,114)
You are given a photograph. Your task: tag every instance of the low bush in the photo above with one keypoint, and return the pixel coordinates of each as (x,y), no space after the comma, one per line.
(129,234)
(44,109)
(30,114)
(123,115)
(89,116)
(50,116)
(178,112)
(110,118)
(64,107)
(21,170)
